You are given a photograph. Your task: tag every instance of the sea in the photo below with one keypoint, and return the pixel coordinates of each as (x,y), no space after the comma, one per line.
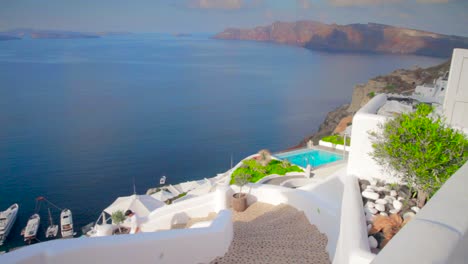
(84,121)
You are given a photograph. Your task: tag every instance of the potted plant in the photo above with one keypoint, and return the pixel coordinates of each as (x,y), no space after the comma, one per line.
(239,200)
(118,217)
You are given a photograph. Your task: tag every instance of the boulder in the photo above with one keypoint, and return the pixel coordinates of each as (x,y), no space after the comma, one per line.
(408,215)
(380,207)
(370,195)
(397,205)
(372,211)
(381,201)
(373,242)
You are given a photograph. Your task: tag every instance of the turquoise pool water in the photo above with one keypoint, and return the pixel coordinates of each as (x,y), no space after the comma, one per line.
(310,156)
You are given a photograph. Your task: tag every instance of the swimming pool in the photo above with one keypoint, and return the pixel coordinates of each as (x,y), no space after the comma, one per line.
(314,157)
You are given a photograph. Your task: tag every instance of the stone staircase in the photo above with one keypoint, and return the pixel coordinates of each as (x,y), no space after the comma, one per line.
(274,234)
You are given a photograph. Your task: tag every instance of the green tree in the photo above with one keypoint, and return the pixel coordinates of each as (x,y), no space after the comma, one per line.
(118,217)
(421,149)
(241,179)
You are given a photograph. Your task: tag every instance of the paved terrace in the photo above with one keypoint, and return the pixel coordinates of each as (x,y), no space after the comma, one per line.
(271,234)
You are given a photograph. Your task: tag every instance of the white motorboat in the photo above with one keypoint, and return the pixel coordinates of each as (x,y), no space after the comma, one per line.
(7,220)
(66,223)
(52,229)
(32,226)
(162,180)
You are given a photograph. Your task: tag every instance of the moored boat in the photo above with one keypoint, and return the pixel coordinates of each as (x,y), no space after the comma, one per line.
(162,180)
(30,232)
(52,229)
(66,223)
(7,220)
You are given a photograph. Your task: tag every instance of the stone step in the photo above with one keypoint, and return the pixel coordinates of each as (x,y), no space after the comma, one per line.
(275,216)
(285,231)
(301,237)
(261,211)
(280,227)
(275,234)
(279,255)
(304,246)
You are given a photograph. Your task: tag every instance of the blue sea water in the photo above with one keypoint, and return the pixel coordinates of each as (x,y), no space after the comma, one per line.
(82,119)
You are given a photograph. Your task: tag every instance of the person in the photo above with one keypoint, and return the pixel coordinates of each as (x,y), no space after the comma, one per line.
(134,222)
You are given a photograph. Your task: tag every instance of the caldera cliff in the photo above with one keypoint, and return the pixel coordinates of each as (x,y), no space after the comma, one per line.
(368,38)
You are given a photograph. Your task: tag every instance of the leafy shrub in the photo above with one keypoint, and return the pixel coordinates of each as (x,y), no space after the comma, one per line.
(371,94)
(169,201)
(337,139)
(390,87)
(254,165)
(274,167)
(423,151)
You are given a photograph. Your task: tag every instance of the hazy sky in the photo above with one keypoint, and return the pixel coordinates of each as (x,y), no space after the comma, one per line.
(442,16)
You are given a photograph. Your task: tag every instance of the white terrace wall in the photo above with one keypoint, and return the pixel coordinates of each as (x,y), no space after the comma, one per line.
(353,245)
(163,218)
(197,245)
(360,163)
(456,96)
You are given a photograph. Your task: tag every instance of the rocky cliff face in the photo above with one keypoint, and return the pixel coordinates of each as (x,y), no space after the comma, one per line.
(399,81)
(369,38)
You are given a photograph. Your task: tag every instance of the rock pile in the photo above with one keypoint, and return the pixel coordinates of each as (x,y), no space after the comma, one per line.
(379,198)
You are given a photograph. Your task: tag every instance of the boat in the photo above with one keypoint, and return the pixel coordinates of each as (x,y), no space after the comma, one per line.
(7,220)
(66,223)
(32,226)
(162,180)
(52,229)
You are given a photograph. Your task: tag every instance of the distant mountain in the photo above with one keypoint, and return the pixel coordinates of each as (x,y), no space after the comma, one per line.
(7,37)
(47,34)
(182,35)
(113,33)
(53,34)
(369,38)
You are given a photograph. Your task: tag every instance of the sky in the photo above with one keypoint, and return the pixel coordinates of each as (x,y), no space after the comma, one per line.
(211,16)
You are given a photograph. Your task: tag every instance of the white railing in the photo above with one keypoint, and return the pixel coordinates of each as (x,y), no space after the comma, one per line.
(353,245)
(334,146)
(197,245)
(178,213)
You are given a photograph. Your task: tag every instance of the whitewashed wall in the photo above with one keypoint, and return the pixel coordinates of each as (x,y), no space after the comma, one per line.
(360,163)
(353,246)
(163,218)
(456,97)
(197,245)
